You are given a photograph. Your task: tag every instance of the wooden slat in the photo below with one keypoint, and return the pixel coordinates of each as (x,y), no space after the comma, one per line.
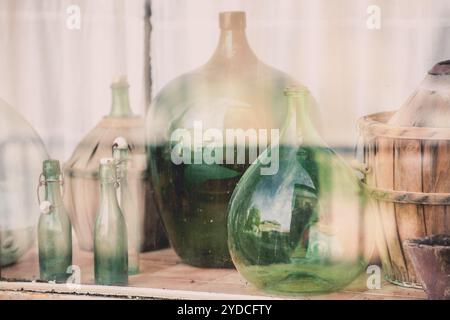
(384,167)
(408,177)
(380,238)
(436,178)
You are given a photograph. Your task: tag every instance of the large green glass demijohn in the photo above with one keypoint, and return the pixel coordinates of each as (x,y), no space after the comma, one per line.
(54,228)
(110,232)
(299,231)
(233,92)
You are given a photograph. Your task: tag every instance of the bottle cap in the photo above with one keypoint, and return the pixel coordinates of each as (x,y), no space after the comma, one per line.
(120,143)
(51,169)
(232,20)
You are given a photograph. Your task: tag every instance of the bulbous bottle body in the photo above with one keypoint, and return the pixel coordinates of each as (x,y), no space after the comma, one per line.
(55,245)
(233,91)
(299,231)
(21,154)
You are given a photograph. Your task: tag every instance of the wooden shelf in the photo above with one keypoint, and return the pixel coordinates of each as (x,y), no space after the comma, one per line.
(164,276)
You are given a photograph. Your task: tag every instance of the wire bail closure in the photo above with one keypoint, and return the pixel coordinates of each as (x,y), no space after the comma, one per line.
(117,163)
(44,182)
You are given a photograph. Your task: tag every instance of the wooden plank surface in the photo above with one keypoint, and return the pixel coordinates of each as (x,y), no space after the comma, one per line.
(408,177)
(435,169)
(384,166)
(164,276)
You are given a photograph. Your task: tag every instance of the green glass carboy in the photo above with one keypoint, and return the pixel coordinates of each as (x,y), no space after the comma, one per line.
(110,232)
(226,104)
(300,230)
(54,228)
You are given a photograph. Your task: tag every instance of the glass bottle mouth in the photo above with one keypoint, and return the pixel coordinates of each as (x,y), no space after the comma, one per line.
(51,169)
(232,20)
(120,81)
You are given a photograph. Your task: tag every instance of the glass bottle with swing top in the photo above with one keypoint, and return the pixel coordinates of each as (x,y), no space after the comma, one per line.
(128,203)
(110,232)
(54,228)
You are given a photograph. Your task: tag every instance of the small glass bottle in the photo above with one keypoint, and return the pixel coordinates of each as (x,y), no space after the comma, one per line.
(121,155)
(54,228)
(110,232)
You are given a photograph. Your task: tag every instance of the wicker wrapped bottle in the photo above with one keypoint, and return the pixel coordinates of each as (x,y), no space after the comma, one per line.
(233,92)
(407,154)
(81,173)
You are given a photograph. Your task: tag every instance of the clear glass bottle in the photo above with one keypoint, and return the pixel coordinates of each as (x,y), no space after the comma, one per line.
(54,228)
(18,215)
(299,231)
(110,231)
(128,203)
(234,90)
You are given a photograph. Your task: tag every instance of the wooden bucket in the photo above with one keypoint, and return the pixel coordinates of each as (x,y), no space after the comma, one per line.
(408,174)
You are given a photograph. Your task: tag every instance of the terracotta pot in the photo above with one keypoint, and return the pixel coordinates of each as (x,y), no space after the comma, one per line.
(431,260)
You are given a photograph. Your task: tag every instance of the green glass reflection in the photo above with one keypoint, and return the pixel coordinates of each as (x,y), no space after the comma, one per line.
(54,228)
(298,231)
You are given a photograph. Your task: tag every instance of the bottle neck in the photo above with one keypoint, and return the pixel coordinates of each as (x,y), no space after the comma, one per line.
(300,128)
(108,195)
(120,102)
(233,46)
(53,193)
(107,189)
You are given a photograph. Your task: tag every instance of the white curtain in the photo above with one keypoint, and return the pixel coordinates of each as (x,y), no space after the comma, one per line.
(326,44)
(59,78)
